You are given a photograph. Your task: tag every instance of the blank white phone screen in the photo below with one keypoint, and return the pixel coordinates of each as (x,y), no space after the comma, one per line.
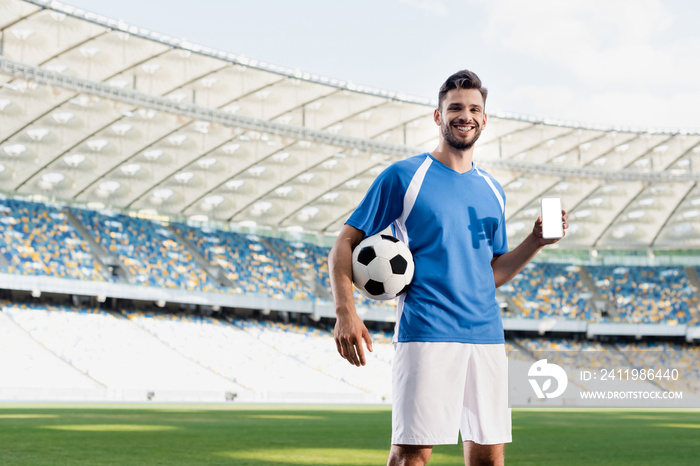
(552,226)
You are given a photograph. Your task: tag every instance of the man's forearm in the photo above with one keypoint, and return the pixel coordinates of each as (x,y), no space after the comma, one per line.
(349,331)
(340,274)
(340,268)
(508,265)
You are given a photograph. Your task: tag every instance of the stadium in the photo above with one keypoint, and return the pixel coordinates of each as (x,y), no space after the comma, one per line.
(167,211)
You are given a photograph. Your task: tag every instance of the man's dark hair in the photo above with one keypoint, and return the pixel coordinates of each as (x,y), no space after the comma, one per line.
(464,79)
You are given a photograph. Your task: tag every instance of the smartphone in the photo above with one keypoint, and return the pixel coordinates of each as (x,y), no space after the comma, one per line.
(552,225)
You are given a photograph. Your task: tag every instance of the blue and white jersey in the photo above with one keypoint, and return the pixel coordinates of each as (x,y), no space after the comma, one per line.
(454,224)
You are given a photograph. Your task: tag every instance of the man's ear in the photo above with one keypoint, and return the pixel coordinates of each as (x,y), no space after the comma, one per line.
(484,125)
(436,116)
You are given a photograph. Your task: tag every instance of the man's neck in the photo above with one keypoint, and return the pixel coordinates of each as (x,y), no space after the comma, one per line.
(458,160)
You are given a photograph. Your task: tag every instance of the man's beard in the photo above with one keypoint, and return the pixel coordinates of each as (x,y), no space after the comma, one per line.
(460,144)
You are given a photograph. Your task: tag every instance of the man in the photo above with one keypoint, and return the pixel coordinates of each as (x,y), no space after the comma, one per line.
(450,367)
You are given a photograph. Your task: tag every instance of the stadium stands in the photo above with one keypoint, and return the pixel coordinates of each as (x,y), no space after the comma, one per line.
(210,136)
(646,294)
(247,262)
(663,357)
(62,352)
(26,365)
(312,263)
(309,260)
(550,290)
(602,364)
(316,349)
(39,240)
(115,354)
(73,352)
(147,249)
(271,368)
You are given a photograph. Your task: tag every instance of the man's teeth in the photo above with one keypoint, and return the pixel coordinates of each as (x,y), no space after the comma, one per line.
(465,128)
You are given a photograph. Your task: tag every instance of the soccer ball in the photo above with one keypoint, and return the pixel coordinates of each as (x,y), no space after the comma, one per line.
(382,267)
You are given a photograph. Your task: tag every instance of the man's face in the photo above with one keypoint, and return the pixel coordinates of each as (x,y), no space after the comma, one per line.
(461,118)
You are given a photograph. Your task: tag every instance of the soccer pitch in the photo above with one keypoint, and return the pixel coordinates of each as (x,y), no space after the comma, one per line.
(256,435)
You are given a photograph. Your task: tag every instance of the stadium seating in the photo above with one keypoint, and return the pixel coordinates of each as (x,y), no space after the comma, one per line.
(316,349)
(581,354)
(309,260)
(148,250)
(646,294)
(192,131)
(113,352)
(543,290)
(577,356)
(26,364)
(247,262)
(312,263)
(661,357)
(93,354)
(39,240)
(270,370)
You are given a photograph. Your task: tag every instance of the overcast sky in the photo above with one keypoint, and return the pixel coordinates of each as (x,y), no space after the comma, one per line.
(614,62)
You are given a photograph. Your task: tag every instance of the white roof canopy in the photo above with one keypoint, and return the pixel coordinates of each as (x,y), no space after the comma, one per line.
(94,110)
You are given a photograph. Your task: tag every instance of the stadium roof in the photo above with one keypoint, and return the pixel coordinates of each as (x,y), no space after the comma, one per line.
(98,112)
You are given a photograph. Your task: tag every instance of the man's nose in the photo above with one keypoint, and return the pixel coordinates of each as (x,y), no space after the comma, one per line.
(465,116)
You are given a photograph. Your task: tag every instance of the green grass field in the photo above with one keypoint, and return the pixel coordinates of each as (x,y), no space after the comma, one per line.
(256,435)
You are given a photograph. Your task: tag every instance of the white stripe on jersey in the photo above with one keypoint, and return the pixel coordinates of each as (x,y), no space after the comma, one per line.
(493,188)
(409,200)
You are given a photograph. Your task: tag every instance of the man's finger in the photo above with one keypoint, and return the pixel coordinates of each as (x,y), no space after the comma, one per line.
(349,353)
(360,352)
(357,351)
(368,341)
(339,347)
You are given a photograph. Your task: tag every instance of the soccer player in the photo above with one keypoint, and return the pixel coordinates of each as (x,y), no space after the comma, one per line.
(450,368)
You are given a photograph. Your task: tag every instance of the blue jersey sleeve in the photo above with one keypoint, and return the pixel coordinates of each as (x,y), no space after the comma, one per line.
(382,204)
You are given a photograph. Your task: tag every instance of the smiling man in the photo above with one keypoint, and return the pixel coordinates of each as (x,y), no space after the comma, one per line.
(450,367)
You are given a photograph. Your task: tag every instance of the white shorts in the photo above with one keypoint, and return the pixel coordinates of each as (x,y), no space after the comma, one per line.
(440,389)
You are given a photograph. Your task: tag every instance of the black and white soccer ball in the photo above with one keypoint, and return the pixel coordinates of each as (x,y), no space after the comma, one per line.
(382,267)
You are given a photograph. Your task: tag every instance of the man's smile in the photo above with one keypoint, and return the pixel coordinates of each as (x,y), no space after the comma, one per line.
(464,129)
